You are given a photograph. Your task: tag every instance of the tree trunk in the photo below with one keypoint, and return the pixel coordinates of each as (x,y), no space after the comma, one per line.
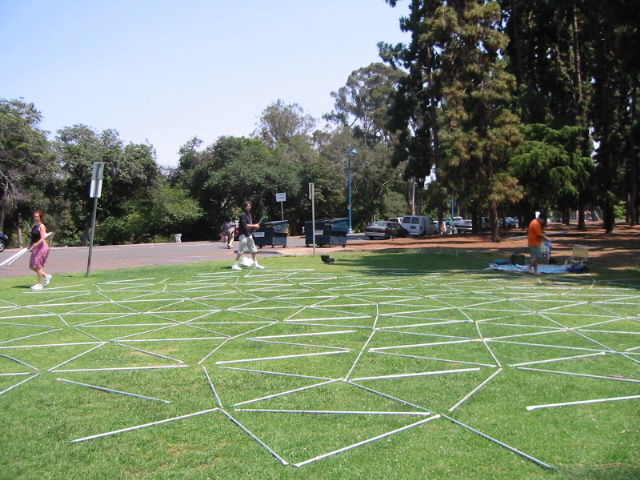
(608,218)
(632,204)
(581,222)
(493,221)
(412,195)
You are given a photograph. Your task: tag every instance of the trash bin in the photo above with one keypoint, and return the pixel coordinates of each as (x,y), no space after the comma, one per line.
(177,237)
(328,232)
(272,233)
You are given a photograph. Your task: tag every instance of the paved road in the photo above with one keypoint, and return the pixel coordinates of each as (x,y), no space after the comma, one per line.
(75,259)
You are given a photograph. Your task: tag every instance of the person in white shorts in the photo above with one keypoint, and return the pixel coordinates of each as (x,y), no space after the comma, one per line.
(246,228)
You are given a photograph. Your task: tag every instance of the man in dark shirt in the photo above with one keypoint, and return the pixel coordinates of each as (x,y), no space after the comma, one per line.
(247,227)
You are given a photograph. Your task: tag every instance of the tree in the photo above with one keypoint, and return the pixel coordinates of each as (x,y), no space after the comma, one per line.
(130,173)
(373,178)
(27,166)
(281,123)
(232,170)
(413,112)
(167,210)
(362,104)
(457,96)
(578,64)
(546,54)
(553,167)
(613,29)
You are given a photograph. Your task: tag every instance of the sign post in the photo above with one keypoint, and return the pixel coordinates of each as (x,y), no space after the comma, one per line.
(312,197)
(281,197)
(95,191)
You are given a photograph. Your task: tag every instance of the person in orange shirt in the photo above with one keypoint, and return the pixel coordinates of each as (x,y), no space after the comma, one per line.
(535,236)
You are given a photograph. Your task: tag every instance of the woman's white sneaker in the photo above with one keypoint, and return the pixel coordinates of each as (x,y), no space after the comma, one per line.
(37,286)
(47,279)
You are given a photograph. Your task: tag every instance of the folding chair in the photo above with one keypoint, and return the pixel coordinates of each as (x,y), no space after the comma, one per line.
(579,256)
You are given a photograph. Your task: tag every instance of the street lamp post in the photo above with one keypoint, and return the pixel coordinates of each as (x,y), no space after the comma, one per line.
(352,151)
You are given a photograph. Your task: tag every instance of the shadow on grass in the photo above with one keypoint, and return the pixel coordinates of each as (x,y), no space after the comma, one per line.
(442,260)
(605,472)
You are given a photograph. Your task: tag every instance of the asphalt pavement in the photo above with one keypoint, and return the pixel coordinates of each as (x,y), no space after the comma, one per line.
(111,257)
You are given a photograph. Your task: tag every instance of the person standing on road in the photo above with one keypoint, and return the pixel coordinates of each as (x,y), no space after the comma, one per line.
(39,249)
(229,229)
(535,236)
(247,244)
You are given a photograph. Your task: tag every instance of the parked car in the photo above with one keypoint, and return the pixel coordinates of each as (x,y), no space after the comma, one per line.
(383,229)
(4,242)
(402,232)
(511,222)
(463,226)
(419,225)
(485,223)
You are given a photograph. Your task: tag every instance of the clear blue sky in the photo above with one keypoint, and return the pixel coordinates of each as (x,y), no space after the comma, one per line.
(168,70)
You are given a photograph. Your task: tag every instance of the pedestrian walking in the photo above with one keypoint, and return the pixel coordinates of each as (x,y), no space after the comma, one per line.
(39,249)
(246,243)
(229,229)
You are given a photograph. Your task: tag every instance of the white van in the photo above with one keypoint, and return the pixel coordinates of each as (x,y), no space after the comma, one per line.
(419,225)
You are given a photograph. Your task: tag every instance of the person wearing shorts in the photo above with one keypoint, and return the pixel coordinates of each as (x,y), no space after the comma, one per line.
(247,244)
(535,236)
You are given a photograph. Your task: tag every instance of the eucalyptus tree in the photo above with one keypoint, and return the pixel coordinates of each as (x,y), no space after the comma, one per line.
(362,104)
(361,113)
(27,165)
(283,123)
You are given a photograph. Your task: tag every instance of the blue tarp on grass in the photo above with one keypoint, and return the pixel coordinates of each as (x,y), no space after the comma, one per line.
(550,269)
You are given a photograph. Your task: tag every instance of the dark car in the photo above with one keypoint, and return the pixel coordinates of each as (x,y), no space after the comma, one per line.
(4,242)
(383,229)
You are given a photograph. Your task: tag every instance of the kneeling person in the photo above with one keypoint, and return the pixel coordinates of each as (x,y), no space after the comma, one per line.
(247,244)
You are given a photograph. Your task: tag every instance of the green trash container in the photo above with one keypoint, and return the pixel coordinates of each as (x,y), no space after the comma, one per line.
(272,233)
(329,232)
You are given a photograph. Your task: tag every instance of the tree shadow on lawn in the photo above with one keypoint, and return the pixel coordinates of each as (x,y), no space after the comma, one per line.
(476,260)
(604,472)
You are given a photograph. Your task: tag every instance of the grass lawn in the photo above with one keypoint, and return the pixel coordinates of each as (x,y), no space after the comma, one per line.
(402,365)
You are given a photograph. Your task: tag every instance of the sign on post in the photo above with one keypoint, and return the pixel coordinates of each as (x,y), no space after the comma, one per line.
(281,197)
(94,192)
(96,180)
(312,197)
